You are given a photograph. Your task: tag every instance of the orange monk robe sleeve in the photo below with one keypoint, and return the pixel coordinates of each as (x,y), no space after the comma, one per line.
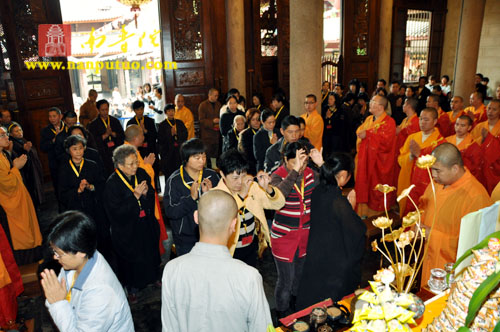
(375,161)
(186,116)
(490,162)
(464,196)
(406,165)
(314,129)
(476,132)
(21,214)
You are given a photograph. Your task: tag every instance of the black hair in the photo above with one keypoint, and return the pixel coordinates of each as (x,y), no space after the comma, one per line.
(74,140)
(336,96)
(279,97)
(82,128)
(301,121)
(290,150)
(145,85)
(447,77)
(333,164)
(437,87)
(232,161)
(364,96)
(169,107)
(55,109)
(312,96)
(242,100)
(382,81)
(380,89)
(137,105)
(259,96)
(396,82)
(232,91)
(422,78)
(231,97)
(266,113)
(69,115)
(485,79)
(288,121)
(348,97)
(190,148)
(159,90)
(74,232)
(480,75)
(101,102)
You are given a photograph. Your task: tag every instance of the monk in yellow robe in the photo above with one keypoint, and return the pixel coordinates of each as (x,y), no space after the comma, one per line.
(487,135)
(470,150)
(417,145)
(314,122)
(135,136)
(457,109)
(16,201)
(376,152)
(457,193)
(443,123)
(476,110)
(184,114)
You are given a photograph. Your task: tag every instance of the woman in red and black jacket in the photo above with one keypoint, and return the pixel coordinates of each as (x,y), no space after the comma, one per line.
(290,228)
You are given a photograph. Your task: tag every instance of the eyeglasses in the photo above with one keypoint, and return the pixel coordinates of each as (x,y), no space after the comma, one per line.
(4,135)
(56,254)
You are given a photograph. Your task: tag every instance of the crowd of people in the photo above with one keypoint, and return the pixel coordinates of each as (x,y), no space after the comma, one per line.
(254,178)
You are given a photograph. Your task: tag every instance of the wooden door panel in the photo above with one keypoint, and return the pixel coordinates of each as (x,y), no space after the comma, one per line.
(191,36)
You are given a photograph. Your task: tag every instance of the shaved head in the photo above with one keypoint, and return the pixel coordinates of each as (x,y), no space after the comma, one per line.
(432,111)
(448,155)
(132,132)
(216,210)
(466,118)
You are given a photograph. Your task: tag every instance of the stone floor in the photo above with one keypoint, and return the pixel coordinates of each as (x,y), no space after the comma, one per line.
(146,312)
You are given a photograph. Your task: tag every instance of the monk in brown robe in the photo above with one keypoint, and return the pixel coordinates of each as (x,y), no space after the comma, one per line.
(457,194)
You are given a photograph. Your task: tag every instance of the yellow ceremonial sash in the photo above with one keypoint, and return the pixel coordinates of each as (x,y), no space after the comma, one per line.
(200,176)
(136,120)
(63,127)
(279,111)
(77,173)
(68,296)
(106,125)
(301,191)
(128,184)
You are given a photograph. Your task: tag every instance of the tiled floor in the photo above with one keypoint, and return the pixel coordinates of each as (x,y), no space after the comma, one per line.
(146,313)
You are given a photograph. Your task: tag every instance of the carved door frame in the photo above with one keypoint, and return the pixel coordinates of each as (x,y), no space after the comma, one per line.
(193,76)
(360,26)
(36,90)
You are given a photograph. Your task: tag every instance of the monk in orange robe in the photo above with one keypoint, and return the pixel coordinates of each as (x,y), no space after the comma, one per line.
(487,134)
(314,122)
(443,123)
(16,201)
(458,193)
(476,110)
(184,114)
(457,110)
(417,145)
(135,136)
(406,128)
(376,152)
(470,150)
(11,284)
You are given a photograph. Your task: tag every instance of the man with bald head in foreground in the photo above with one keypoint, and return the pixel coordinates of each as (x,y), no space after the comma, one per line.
(208,290)
(457,194)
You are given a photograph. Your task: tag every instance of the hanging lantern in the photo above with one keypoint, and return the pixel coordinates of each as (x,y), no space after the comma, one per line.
(135,6)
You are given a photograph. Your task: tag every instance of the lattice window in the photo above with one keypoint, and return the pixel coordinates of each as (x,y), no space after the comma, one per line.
(418,27)
(4,55)
(188,41)
(268,28)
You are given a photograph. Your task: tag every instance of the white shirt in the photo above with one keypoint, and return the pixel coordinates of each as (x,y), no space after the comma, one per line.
(98,302)
(159,106)
(208,290)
